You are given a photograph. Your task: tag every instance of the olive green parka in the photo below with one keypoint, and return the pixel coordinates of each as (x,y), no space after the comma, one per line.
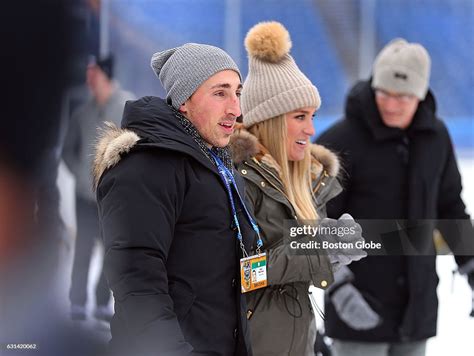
(281,316)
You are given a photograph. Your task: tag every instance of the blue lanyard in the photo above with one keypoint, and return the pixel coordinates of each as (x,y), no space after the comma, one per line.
(228,179)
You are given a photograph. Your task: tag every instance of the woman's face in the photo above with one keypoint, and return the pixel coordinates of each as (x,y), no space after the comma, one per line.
(299,130)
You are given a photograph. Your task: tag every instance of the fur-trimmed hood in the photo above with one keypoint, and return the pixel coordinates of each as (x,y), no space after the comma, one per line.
(111,144)
(244,145)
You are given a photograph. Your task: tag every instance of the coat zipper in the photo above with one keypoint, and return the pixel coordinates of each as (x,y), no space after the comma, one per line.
(321,183)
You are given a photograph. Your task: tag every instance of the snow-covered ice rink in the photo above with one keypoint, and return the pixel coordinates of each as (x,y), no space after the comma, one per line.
(455,327)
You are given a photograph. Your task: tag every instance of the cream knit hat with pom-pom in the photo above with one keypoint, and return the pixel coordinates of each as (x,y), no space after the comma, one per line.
(274,84)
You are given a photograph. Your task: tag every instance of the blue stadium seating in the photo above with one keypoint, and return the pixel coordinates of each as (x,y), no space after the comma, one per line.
(444,27)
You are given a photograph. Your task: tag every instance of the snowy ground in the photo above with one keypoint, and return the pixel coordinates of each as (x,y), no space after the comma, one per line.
(455,327)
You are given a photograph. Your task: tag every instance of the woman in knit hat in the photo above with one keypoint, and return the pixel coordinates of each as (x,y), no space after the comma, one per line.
(288,179)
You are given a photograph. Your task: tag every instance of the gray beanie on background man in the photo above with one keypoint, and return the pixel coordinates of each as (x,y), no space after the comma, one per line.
(402,67)
(183,69)
(274,85)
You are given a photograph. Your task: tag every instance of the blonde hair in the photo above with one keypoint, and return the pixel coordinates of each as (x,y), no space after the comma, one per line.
(295,175)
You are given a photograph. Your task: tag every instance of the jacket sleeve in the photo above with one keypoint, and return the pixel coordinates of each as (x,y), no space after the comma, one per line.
(283,266)
(454,223)
(139,203)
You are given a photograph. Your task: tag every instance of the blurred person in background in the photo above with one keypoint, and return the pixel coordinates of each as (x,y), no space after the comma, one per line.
(287,178)
(36,54)
(400,164)
(106,103)
(30,224)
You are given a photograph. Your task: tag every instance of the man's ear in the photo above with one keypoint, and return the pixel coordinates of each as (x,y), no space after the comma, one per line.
(183,109)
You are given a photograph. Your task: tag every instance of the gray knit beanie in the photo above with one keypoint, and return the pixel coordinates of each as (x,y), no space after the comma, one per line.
(402,67)
(183,69)
(274,84)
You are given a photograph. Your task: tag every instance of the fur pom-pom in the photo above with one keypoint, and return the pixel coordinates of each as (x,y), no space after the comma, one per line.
(268,41)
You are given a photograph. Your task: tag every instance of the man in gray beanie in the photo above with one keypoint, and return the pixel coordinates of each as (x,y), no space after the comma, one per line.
(400,164)
(173,230)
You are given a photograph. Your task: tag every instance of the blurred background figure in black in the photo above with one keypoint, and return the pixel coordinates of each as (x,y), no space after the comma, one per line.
(36,57)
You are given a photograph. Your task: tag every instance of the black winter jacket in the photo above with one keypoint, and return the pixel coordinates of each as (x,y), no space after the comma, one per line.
(171,253)
(395,174)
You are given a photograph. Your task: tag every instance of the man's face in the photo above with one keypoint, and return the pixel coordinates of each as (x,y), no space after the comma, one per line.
(96,79)
(214,107)
(92,76)
(396,109)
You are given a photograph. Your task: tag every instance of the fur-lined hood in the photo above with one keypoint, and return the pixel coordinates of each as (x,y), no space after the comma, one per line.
(111,144)
(244,145)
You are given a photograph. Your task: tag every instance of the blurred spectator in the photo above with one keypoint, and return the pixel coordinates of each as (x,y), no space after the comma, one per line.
(106,103)
(36,53)
(400,164)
